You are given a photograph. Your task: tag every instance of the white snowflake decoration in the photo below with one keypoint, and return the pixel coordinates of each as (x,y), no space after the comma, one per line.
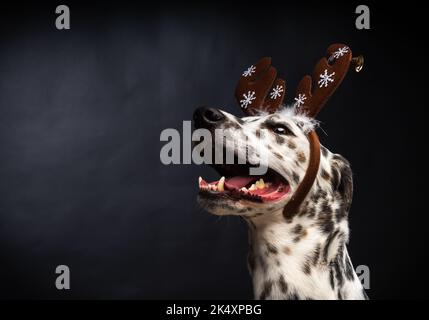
(251,70)
(299,101)
(325,78)
(248,99)
(340,52)
(277,92)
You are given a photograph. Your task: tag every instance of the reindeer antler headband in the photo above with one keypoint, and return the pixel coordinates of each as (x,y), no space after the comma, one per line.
(259,90)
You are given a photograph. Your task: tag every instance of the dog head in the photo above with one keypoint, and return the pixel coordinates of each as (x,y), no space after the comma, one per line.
(278,140)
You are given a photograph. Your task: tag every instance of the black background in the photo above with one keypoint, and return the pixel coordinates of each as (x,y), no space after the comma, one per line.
(81,112)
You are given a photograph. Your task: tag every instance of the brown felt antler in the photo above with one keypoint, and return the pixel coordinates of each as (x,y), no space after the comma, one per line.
(257,81)
(259,90)
(313,93)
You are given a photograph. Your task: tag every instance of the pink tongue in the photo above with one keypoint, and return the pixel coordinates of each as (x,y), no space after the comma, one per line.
(238,182)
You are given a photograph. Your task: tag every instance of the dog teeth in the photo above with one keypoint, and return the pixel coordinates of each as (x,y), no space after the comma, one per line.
(252,187)
(260,184)
(221,185)
(244,189)
(202,184)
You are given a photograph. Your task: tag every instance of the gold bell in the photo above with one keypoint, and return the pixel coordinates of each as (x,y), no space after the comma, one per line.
(357,63)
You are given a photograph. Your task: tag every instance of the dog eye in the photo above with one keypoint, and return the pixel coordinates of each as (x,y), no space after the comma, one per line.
(281,129)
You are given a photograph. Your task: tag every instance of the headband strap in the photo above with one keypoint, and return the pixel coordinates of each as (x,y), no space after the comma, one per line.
(304,187)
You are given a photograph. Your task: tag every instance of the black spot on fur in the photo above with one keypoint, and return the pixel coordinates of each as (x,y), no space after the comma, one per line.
(316,255)
(287,250)
(332,279)
(343,168)
(311,212)
(297,229)
(280,139)
(282,284)
(326,207)
(278,155)
(295,177)
(294,296)
(325,174)
(301,156)
(338,272)
(296,239)
(315,196)
(331,238)
(307,265)
(340,214)
(266,291)
(335,178)
(345,187)
(342,185)
(324,151)
(300,232)
(324,220)
(318,194)
(271,248)
(267,125)
(349,269)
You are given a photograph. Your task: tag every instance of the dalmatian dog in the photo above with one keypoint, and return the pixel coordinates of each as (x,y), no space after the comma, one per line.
(297,208)
(302,255)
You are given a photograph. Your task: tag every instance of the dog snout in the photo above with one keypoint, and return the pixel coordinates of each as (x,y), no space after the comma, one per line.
(207,117)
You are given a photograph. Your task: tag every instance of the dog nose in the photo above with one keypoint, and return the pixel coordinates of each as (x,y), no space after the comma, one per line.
(205,117)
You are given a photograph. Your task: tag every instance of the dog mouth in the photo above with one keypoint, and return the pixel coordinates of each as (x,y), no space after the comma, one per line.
(237,184)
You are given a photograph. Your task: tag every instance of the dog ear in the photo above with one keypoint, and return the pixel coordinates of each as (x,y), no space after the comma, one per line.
(342,180)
